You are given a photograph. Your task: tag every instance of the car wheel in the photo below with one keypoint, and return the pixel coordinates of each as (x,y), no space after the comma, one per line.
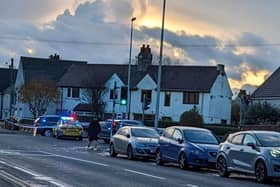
(222,167)
(112,151)
(158,158)
(48,133)
(130,153)
(183,161)
(106,141)
(261,172)
(80,138)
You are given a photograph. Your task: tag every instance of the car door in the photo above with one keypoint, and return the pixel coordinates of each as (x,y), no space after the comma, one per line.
(249,153)
(124,139)
(234,149)
(164,142)
(175,144)
(117,140)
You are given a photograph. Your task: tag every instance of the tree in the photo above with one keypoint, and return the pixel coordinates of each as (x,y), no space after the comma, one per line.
(191,118)
(38,94)
(93,96)
(262,113)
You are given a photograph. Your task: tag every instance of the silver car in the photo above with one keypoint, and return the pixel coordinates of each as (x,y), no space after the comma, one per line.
(134,142)
(252,152)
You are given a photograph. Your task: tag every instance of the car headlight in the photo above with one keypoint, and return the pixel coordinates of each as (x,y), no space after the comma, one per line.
(275,153)
(196,152)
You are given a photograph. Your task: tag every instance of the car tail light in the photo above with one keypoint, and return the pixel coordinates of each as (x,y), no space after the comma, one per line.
(115,124)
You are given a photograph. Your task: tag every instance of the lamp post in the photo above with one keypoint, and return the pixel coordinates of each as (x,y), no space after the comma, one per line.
(11,67)
(160,67)
(129,71)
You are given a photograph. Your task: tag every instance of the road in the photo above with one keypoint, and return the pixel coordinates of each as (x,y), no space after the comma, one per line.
(40,161)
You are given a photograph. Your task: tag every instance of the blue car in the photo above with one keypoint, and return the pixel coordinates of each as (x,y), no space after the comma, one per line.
(187,146)
(44,122)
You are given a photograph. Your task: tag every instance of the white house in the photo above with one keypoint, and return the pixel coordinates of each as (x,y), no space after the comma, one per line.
(51,69)
(183,87)
(7,77)
(269,91)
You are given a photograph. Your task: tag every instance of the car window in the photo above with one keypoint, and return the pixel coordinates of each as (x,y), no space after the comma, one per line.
(177,135)
(237,139)
(168,132)
(123,131)
(249,139)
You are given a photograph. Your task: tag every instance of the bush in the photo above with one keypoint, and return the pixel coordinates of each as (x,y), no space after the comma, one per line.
(191,118)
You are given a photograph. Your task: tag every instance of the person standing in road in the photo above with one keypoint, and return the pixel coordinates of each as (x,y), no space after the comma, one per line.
(93,131)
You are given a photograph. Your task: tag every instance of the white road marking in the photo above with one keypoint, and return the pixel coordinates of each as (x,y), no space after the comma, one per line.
(192,185)
(13,179)
(77,159)
(145,174)
(36,175)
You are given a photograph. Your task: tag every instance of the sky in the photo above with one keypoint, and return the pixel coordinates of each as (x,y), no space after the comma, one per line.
(241,34)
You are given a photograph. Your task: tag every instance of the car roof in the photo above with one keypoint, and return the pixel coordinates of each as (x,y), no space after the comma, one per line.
(137,127)
(189,128)
(255,132)
(46,116)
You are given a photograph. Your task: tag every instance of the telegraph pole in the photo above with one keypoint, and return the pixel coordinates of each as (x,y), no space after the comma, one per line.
(11,67)
(159,66)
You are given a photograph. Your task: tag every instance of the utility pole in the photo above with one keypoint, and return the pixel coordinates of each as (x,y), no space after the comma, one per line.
(129,71)
(143,107)
(11,67)
(160,67)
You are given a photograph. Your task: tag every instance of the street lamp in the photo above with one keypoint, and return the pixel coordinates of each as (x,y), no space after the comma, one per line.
(129,71)
(160,66)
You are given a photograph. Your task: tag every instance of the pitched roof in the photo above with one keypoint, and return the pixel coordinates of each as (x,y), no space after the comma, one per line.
(188,78)
(45,68)
(5,77)
(270,88)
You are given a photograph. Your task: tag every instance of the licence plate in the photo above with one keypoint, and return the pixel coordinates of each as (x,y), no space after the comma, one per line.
(72,133)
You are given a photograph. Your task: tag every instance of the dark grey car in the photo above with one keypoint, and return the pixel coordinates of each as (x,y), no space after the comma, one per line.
(134,142)
(252,152)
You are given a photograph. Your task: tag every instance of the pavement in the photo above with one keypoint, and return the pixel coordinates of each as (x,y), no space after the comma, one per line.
(43,161)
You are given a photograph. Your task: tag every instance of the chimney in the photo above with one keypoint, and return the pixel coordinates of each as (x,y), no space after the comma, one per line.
(221,69)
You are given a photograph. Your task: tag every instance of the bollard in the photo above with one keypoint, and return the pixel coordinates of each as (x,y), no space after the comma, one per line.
(35,131)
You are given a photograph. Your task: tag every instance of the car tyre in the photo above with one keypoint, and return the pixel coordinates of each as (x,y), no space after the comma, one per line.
(112,151)
(129,153)
(158,158)
(106,141)
(183,161)
(261,172)
(80,138)
(222,167)
(48,133)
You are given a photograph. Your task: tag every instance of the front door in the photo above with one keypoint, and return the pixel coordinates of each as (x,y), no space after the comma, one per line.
(176,144)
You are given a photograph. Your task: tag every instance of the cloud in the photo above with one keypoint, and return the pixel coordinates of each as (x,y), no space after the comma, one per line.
(99,32)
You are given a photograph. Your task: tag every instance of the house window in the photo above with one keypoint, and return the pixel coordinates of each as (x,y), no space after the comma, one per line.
(190,97)
(73,92)
(69,92)
(147,94)
(167,98)
(112,94)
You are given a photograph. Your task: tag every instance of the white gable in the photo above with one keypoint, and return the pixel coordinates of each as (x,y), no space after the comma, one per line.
(147,83)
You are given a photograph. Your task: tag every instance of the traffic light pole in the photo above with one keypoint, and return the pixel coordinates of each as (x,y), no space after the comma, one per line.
(114,105)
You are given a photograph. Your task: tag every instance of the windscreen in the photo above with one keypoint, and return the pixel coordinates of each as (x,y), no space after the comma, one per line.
(269,139)
(144,133)
(200,136)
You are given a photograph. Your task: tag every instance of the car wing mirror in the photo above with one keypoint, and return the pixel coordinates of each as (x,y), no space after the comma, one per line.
(180,140)
(250,144)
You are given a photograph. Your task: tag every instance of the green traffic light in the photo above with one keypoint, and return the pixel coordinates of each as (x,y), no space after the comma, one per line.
(123,102)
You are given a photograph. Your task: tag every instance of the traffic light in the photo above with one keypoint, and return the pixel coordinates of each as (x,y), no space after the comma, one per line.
(123,100)
(146,103)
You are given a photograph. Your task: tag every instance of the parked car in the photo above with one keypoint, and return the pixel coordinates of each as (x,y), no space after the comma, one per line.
(106,127)
(68,128)
(252,152)
(46,123)
(134,142)
(188,146)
